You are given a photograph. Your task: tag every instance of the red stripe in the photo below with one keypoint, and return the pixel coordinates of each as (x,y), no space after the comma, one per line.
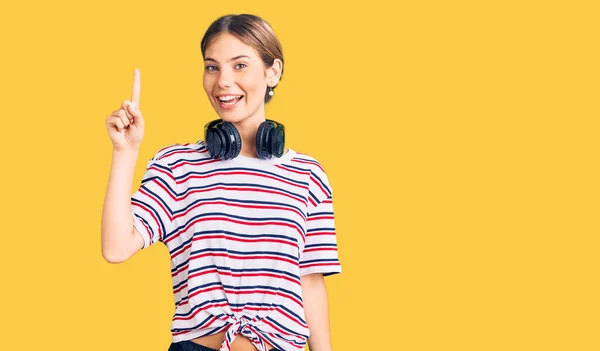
(187,318)
(290,317)
(237,275)
(308,162)
(264,320)
(166,212)
(191,330)
(164,148)
(148,230)
(240,173)
(181,250)
(241,257)
(320,233)
(175,291)
(184,268)
(240,275)
(191,151)
(254,291)
(197,292)
(220,187)
(233,204)
(316,218)
(204,237)
(151,215)
(292,170)
(168,174)
(319,265)
(201,273)
(194,163)
(222,218)
(319,185)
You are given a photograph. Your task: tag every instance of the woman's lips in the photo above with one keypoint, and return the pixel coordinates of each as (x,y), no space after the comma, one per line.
(229,105)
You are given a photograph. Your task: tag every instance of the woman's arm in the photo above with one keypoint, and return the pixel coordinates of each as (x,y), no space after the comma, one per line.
(316,310)
(119,239)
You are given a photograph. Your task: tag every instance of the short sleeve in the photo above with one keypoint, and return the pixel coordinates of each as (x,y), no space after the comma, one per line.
(320,254)
(153,204)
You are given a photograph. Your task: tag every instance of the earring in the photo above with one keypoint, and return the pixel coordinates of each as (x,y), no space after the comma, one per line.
(271,92)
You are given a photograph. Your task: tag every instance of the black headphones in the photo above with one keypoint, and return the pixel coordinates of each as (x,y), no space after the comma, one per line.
(224,141)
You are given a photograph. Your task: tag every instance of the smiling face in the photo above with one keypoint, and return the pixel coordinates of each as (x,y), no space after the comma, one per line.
(236,79)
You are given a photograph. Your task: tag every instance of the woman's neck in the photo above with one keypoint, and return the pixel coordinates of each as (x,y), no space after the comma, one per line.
(247,129)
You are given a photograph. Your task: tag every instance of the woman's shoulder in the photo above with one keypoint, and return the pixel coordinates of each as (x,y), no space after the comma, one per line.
(176,152)
(308,161)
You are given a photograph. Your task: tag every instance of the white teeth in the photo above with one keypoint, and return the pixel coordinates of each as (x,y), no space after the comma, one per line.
(229,97)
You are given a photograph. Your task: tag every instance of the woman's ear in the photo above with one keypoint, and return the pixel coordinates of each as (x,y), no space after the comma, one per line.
(274,72)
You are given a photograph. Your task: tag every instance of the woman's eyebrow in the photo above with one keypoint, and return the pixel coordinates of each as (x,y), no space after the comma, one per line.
(231,59)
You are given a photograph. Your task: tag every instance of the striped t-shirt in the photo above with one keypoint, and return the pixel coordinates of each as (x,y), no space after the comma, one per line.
(240,234)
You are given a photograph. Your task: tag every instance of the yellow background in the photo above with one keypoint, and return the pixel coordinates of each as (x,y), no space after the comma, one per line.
(460,138)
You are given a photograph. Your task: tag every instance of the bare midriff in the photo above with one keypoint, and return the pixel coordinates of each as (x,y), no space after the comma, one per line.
(240,343)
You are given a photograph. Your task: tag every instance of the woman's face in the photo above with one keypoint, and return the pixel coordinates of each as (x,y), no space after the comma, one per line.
(235,78)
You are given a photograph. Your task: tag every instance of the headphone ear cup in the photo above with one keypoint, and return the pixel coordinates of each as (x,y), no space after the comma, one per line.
(234,140)
(215,141)
(278,140)
(270,139)
(262,145)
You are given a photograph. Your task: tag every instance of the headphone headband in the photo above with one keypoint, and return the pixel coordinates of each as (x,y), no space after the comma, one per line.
(224,141)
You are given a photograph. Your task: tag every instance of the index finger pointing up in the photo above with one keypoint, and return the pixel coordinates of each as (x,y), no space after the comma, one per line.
(135,94)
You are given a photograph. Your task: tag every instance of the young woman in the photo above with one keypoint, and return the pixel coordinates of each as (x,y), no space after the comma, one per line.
(248,223)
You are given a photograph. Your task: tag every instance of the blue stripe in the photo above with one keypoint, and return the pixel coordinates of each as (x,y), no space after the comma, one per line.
(292,313)
(248,185)
(271,341)
(282,327)
(322,183)
(296,168)
(250,219)
(145,221)
(274,253)
(175,249)
(172,149)
(204,303)
(319,229)
(249,236)
(207,285)
(250,287)
(152,209)
(275,343)
(278,176)
(322,260)
(320,245)
(319,214)
(309,160)
(254,202)
(314,197)
(246,270)
(197,326)
(256,270)
(183,160)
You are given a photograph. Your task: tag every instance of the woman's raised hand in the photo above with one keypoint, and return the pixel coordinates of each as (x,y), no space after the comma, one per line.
(126,125)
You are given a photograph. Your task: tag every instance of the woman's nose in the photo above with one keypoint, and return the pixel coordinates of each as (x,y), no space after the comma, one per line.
(225,80)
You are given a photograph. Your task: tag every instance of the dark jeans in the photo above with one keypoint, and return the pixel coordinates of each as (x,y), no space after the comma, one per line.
(192,346)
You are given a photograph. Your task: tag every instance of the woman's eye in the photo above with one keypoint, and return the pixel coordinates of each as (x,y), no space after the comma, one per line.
(240,64)
(210,68)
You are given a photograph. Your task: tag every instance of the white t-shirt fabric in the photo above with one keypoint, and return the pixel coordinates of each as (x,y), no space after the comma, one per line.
(240,234)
